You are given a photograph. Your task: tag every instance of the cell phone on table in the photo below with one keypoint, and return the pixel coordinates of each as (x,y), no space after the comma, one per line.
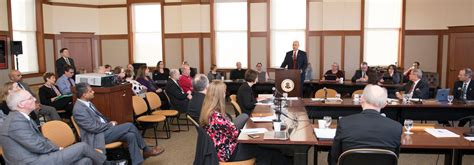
(253,136)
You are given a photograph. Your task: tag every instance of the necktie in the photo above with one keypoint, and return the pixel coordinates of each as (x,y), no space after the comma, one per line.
(91,106)
(67,61)
(70,82)
(294,60)
(19,85)
(464,90)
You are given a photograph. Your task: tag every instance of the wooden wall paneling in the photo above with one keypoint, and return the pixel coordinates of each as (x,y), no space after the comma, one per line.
(307,29)
(440,58)
(321,56)
(268,34)
(343,48)
(163,31)
(362,30)
(213,34)
(249,65)
(201,55)
(130,31)
(401,41)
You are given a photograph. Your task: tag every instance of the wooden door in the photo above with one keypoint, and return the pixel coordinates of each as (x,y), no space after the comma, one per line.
(80,49)
(461,48)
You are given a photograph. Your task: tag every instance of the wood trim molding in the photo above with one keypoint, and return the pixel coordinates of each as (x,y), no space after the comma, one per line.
(84,5)
(10,32)
(426,32)
(130,32)
(257,1)
(343,53)
(5,33)
(268,35)
(163,47)
(362,31)
(258,34)
(186,35)
(439,69)
(142,1)
(335,33)
(249,60)
(461,29)
(184,3)
(77,34)
(401,39)
(113,36)
(213,34)
(40,37)
(321,56)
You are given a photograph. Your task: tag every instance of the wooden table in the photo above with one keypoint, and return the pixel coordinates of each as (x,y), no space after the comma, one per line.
(429,110)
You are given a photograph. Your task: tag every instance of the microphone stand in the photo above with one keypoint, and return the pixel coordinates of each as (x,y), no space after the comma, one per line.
(470,133)
(279,113)
(325,94)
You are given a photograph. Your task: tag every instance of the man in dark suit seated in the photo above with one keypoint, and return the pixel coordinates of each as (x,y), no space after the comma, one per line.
(238,73)
(463,89)
(367,129)
(361,74)
(178,98)
(23,143)
(245,96)
(63,61)
(200,84)
(416,87)
(97,131)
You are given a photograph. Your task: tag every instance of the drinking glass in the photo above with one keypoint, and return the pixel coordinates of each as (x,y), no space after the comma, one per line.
(450,99)
(338,96)
(406,98)
(408,125)
(328,120)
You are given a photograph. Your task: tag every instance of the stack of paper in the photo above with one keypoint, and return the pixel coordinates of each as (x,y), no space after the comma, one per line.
(441,133)
(263,119)
(325,133)
(253,130)
(469,138)
(317,99)
(292,98)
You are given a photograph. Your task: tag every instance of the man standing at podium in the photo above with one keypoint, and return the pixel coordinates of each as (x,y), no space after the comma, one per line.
(296,59)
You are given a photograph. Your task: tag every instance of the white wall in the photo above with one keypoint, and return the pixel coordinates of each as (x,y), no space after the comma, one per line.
(438,14)
(335,15)
(3,15)
(187,19)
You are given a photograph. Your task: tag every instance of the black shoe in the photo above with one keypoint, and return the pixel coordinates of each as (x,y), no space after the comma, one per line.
(116,162)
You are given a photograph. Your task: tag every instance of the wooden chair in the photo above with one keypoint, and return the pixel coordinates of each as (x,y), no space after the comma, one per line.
(233,97)
(320,93)
(59,133)
(367,156)
(139,110)
(107,146)
(360,91)
(179,113)
(243,162)
(154,102)
(192,121)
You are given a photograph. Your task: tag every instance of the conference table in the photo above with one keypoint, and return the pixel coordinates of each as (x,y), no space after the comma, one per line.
(424,110)
(302,138)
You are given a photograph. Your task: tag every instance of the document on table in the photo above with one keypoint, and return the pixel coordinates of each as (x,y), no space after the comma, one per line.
(441,133)
(292,98)
(469,138)
(325,133)
(253,130)
(263,119)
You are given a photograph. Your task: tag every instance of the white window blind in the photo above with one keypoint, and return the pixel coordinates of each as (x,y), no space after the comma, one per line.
(147,38)
(24,30)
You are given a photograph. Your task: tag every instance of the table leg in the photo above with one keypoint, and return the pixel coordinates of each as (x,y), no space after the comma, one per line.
(300,156)
(315,155)
(457,157)
(448,158)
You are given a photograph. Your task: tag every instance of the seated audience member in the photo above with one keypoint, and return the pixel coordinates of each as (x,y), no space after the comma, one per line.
(120,73)
(193,70)
(391,76)
(50,95)
(185,80)
(416,87)
(108,68)
(224,133)
(373,77)
(406,74)
(65,82)
(97,131)
(142,78)
(6,89)
(161,73)
(238,73)
(137,88)
(245,95)
(309,72)
(464,89)
(24,144)
(200,84)
(334,71)
(361,74)
(213,74)
(367,129)
(45,110)
(130,67)
(100,70)
(262,75)
(178,98)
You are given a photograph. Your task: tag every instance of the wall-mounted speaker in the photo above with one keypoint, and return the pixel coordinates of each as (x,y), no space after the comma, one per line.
(17,47)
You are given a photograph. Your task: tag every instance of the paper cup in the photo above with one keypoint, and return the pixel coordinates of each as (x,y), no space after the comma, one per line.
(322,124)
(277,126)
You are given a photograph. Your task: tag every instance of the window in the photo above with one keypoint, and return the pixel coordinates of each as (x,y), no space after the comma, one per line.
(230,32)
(382,30)
(147,38)
(24,30)
(286,27)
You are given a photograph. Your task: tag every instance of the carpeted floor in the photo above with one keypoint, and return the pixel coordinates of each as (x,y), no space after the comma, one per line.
(181,146)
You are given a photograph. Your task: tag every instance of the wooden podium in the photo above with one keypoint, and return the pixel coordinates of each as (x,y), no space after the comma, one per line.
(114,102)
(289,81)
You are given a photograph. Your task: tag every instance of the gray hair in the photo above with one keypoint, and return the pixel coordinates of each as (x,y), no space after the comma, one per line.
(15,97)
(81,89)
(200,82)
(468,72)
(174,71)
(418,73)
(375,95)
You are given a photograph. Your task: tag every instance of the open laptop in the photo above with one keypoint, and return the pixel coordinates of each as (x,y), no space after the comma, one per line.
(388,80)
(330,77)
(442,95)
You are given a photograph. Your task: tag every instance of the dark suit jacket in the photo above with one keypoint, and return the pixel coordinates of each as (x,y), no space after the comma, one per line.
(23,142)
(367,129)
(237,74)
(357,75)
(195,105)
(396,77)
(246,99)
(61,63)
(301,61)
(421,90)
(458,87)
(177,97)
(92,129)
(161,76)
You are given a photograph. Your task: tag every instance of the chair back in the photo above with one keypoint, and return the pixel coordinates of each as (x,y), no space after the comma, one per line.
(320,93)
(360,91)
(192,121)
(368,156)
(139,105)
(233,97)
(236,106)
(205,150)
(75,126)
(153,100)
(168,98)
(59,133)
(243,162)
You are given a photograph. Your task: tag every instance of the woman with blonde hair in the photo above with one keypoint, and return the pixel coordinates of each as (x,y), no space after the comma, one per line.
(224,133)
